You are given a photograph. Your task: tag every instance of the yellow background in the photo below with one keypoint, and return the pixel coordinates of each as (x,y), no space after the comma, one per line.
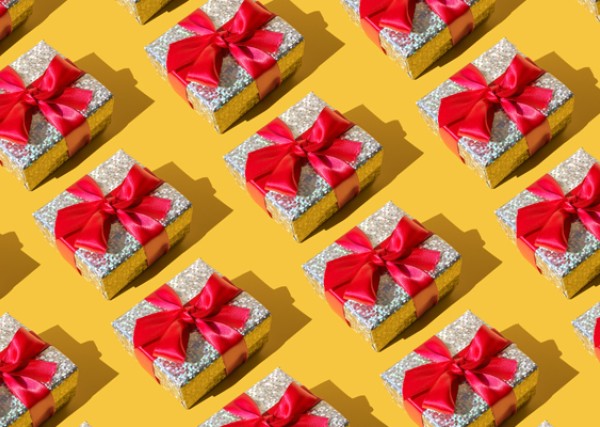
(229,232)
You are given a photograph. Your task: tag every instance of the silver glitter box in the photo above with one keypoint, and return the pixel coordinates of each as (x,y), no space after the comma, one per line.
(585,325)
(593,6)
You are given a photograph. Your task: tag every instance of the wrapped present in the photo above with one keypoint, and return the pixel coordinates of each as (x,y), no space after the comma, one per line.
(306,164)
(194,331)
(467,375)
(416,33)
(384,274)
(593,6)
(587,326)
(498,111)
(143,10)
(49,109)
(115,222)
(227,56)
(280,401)
(554,223)
(36,379)
(12,14)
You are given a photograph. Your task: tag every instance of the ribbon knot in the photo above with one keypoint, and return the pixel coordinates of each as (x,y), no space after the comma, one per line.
(597,338)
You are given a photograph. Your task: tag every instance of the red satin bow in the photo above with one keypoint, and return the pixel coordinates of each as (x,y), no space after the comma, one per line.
(290,411)
(435,384)
(547,223)
(51,94)
(199,58)
(87,224)
(25,376)
(166,333)
(470,113)
(356,276)
(597,338)
(5,22)
(277,167)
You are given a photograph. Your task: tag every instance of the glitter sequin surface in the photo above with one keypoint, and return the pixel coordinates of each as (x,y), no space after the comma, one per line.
(200,354)
(585,325)
(545,424)
(121,244)
(505,134)
(312,188)
(43,136)
(85,425)
(592,5)
(11,408)
(391,297)
(469,406)
(266,393)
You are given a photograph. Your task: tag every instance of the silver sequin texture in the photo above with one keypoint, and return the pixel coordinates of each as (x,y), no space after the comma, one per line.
(11,408)
(545,424)
(85,425)
(592,5)
(311,188)
(43,136)
(121,244)
(582,244)
(234,78)
(585,325)
(505,134)
(469,406)
(9,3)
(266,393)
(200,354)
(391,297)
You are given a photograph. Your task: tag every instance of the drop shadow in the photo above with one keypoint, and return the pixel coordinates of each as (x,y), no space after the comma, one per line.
(320,44)
(554,372)
(15,264)
(94,374)
(287,320)
(170,7)
(477,263)
(357,410)
(41,11)
(209,211)
(398,154)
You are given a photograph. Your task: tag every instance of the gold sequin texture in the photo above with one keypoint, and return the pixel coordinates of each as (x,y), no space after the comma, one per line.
(143,10)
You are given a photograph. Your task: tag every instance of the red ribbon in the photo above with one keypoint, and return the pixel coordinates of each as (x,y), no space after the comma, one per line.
(597,338)
(290,411)
(53,96)
(26,377)
(547,223)
(435,384)
(86,225)
(398,15)
(199,58)
(166,333)
(5,22)
(277,167)
(470,113)
(356,276)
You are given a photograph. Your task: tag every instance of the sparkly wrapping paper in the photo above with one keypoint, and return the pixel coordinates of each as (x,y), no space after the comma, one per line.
(316,201)
(85,425)
(395,309)
(204,367)
(570,271)
(545,424)
(507,149)
(143,10)
(584,326)
(430,37)
(593,6)
(125,258)
(12,412)
(47,149)
(237,92)
(266,393)
(19,10)
(471,409)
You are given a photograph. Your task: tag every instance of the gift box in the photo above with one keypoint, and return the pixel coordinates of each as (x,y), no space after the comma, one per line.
(115,222)
(466,375)
(37,379)
(306,164)
(277,400)
(557,242)
(587,327)
(69,107)
(12,14)
(416,33)
(223,83)
(498,111)
(415,274)
(593,6)
(143,10)
(221,324)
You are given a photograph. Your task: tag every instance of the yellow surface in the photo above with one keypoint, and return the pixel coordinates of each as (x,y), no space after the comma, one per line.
(231,233)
